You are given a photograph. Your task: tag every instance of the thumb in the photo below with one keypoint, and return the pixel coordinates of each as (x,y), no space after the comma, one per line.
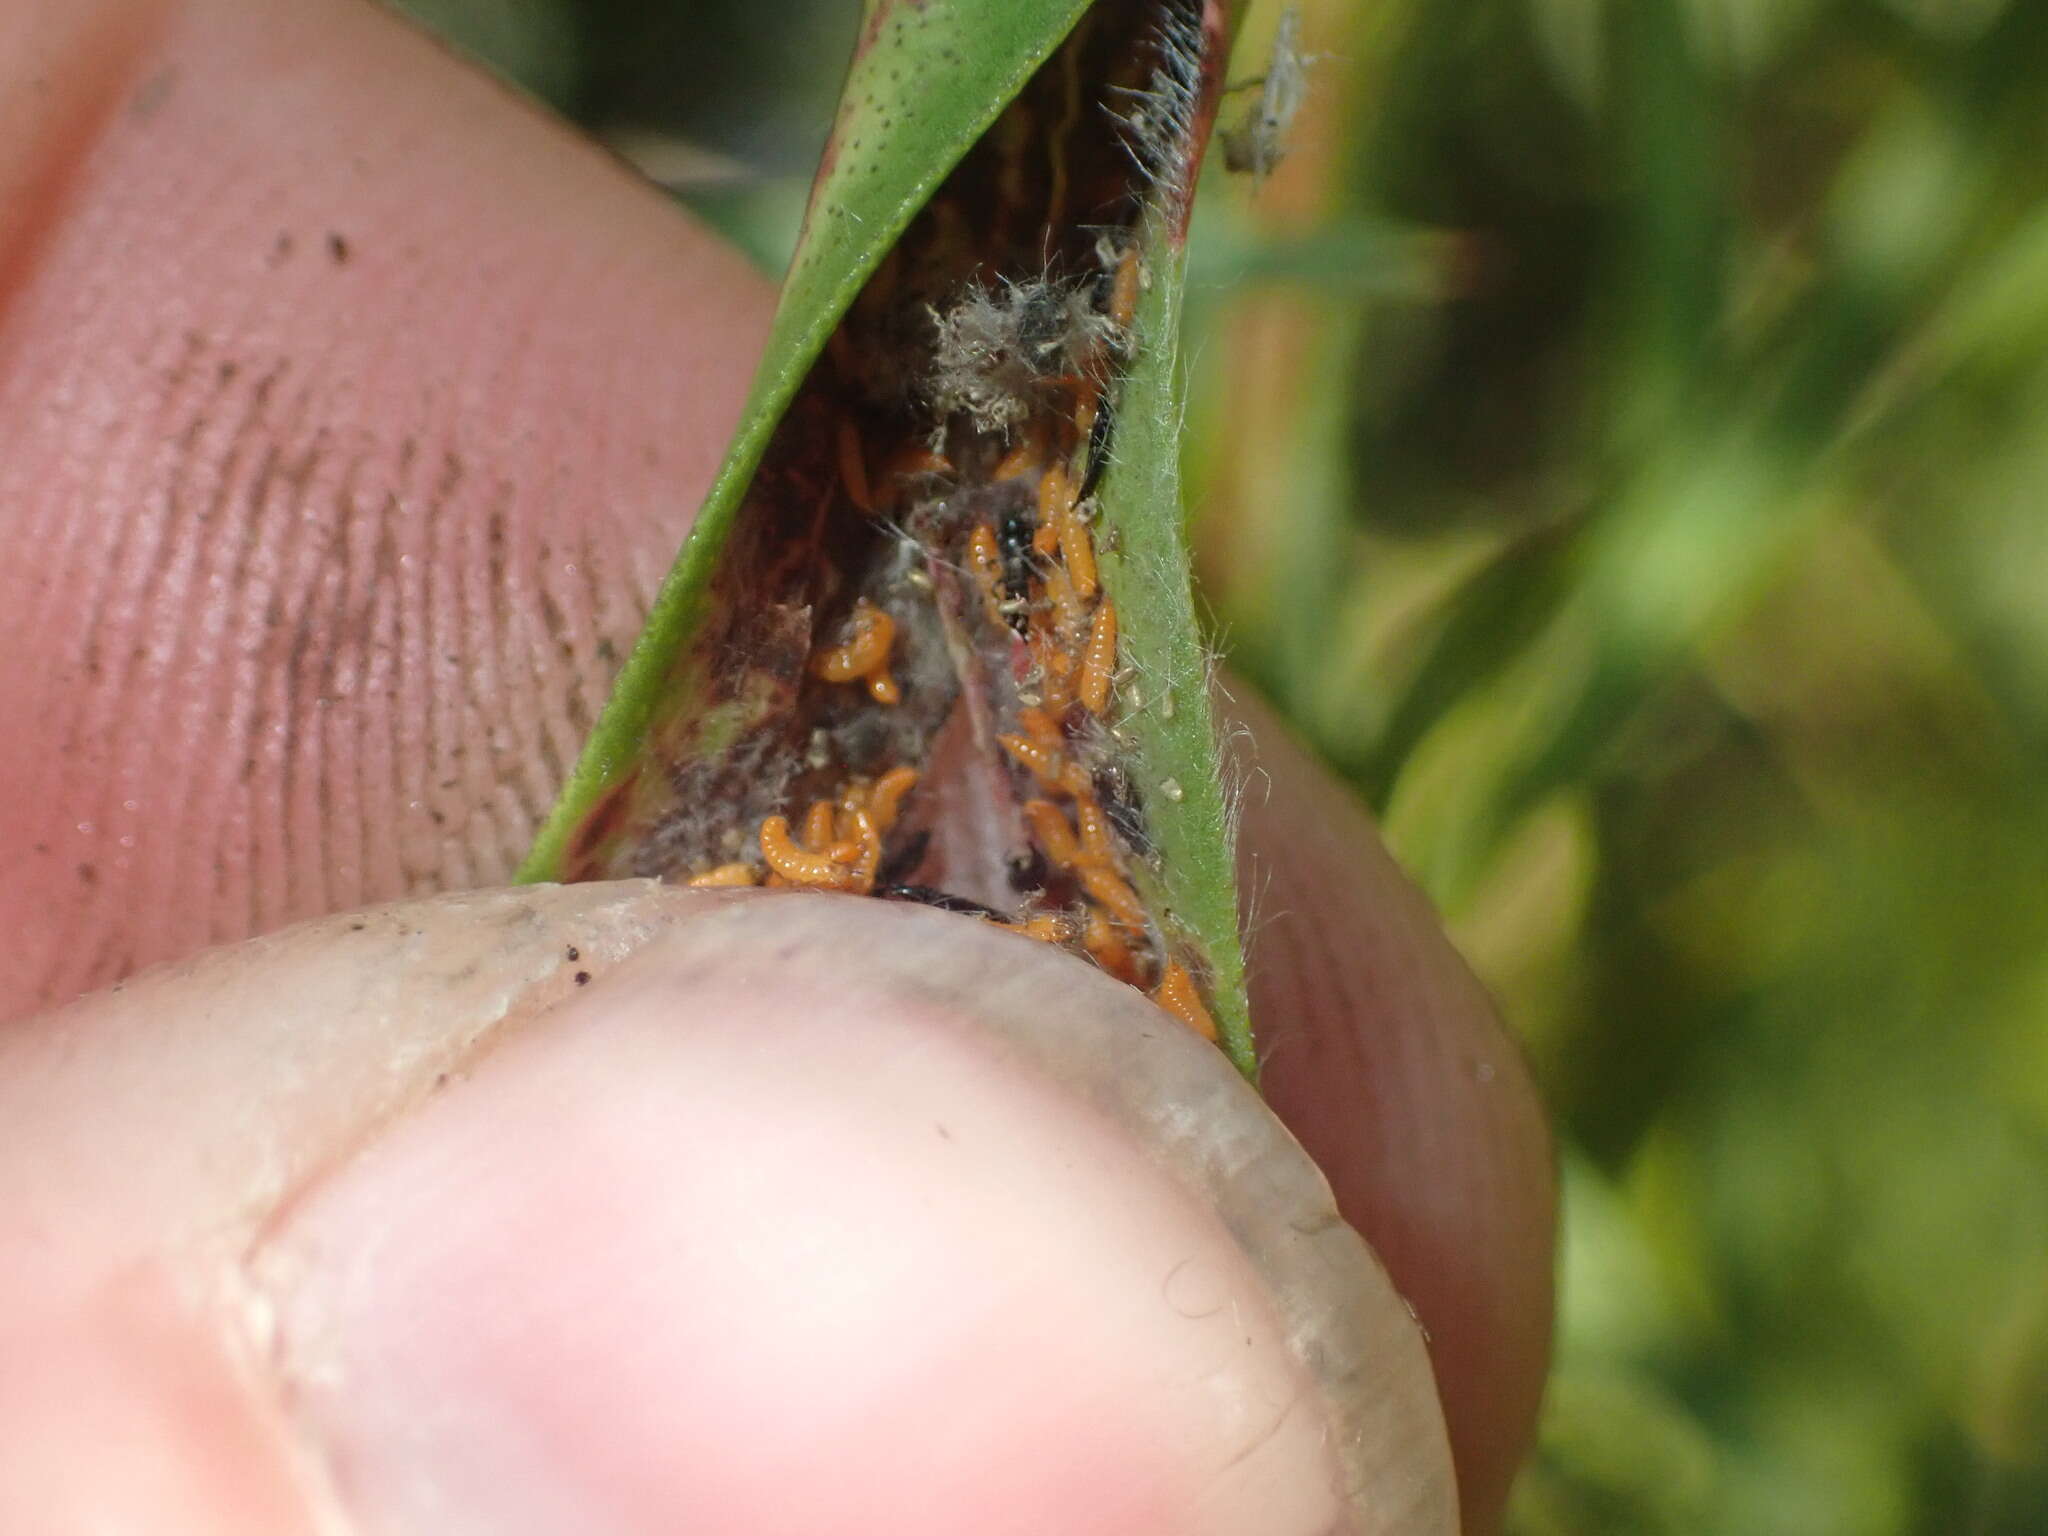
(616,1208)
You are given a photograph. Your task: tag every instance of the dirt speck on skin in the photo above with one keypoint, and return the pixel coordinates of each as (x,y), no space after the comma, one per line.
(151,95)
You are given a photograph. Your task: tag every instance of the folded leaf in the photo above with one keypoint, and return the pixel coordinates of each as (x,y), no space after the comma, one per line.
(931,637)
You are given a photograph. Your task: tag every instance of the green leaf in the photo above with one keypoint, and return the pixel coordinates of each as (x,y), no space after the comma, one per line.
(983,308)
(1168,715)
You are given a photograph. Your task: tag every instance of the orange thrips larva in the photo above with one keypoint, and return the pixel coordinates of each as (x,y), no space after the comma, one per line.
(1047,764)
(1095,846)
(853,466)
(1077,548)
(1177,995)
(1107,948)
(727,875)
(907,463)
(887,795)
(873,633)
(1110,888)
(1098,660)
(1055,496)
(1047,928)
(1055,671)
(868,839)
(1018,460)
(818,826)
(1123,289)
(865,656)
(795,864)
(912,460)
(985,559)
(1050,831)
(1087,401)
(1041,728)
(1066,603)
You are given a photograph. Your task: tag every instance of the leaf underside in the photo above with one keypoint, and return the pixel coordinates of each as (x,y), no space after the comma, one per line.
(946,542)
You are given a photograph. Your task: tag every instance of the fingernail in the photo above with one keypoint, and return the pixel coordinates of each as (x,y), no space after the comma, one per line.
(812,1217)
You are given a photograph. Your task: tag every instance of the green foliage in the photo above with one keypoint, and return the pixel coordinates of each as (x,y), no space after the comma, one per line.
(1686,625)
(1173,732)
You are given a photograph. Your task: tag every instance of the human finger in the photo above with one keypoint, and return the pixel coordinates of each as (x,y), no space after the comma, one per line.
(606,1207)
(350,412)
(1386,1057)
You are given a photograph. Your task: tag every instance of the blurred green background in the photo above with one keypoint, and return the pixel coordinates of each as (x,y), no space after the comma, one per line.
(1619,439)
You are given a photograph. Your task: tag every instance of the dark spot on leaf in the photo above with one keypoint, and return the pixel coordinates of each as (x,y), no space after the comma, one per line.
(945,901)
(905,857)
(1027,871)
(590,838)
(1124,806)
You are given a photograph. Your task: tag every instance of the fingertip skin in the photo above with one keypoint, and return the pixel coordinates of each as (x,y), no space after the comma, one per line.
(783,1256)
(123,1408)
(64,72)
(350,413)
(1385,1056)
(796,1212)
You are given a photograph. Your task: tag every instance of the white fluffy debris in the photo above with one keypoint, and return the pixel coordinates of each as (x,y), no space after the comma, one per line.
(995,347)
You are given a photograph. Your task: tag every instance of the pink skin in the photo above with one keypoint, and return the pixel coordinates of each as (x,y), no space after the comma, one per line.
(349,412)
(437,1234)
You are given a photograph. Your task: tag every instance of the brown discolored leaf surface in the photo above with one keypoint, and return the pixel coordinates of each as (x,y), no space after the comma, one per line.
(946,551)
